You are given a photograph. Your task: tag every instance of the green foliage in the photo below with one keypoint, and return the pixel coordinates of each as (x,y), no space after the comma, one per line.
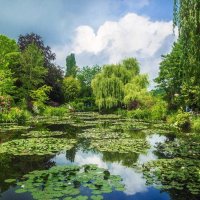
(180,70)
(85,76)
(159,109)
(139,114)
(175,174)
(170,76)
(180,120)
(5,103)
(67,182)
(54,75)
(84,104)
(78,106)
(71,88)
(6,81)
(71,69)
(40,97)
(36,146)
(43,133)
(108,85)
(15,115)
(196,124)
(8,47)
(108,92)
(33,72)
(121,145)
(188,147)
(135,92)
(186,18)
(55,111)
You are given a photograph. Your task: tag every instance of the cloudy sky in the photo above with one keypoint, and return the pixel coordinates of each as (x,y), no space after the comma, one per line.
(97,31)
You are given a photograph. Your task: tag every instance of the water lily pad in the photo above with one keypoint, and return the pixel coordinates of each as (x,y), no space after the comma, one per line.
(174,173)
(36,134)
(121,145)
(185,148)
(39,146)
(67,182)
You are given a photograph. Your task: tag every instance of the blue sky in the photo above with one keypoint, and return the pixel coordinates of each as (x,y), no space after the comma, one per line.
(97,31)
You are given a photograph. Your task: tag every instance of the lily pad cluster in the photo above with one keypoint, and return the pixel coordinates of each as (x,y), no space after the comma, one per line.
(36,146)
(121,145)
(185,148)
(67,182)
(36,134)
(177,173)
(130,125)
(98,133)
(13,127)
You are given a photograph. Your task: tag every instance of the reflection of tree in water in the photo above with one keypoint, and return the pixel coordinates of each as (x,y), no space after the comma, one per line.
(126,159)
(181,195)
(70,154)
(17,166)
(70,130)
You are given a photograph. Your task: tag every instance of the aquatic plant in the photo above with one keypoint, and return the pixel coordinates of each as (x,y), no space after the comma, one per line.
(121,145)
(185,148)
(36,146)
(34,134)
(177,173)
(12,127)
(68,181)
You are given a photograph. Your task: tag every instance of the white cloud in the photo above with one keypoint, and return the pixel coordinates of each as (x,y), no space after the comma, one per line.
(131,36)
(132,33)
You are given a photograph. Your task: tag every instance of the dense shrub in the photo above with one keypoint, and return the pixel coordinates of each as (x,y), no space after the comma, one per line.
(84,104)
(196,124)
(159,110)
(15,115)
(56,111)
(77,106)
(121,112)
(181,120)
(139,114)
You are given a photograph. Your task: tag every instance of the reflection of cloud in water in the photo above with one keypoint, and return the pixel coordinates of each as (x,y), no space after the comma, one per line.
(133,181)
(89,158)
(152,139)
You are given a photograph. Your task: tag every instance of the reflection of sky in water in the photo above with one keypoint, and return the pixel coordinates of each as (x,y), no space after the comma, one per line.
(128,174)
(152,139)
(132,179)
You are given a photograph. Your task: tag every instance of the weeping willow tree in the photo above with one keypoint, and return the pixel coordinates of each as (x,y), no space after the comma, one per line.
(108,91)
(109,85)
(187,19)
(135,92)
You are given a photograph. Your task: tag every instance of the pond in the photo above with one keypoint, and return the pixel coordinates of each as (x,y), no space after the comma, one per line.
(93,156)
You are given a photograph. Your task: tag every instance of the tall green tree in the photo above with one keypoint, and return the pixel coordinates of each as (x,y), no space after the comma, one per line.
(71,68)
(135,92)
(31,38)
(171,76)
(187,19)
(6,81)
(108,86)
(55,74)
(7,48)
(33,71)
(71,88)
(85,76)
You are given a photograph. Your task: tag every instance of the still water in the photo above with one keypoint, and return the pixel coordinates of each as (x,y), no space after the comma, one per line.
(117,163)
